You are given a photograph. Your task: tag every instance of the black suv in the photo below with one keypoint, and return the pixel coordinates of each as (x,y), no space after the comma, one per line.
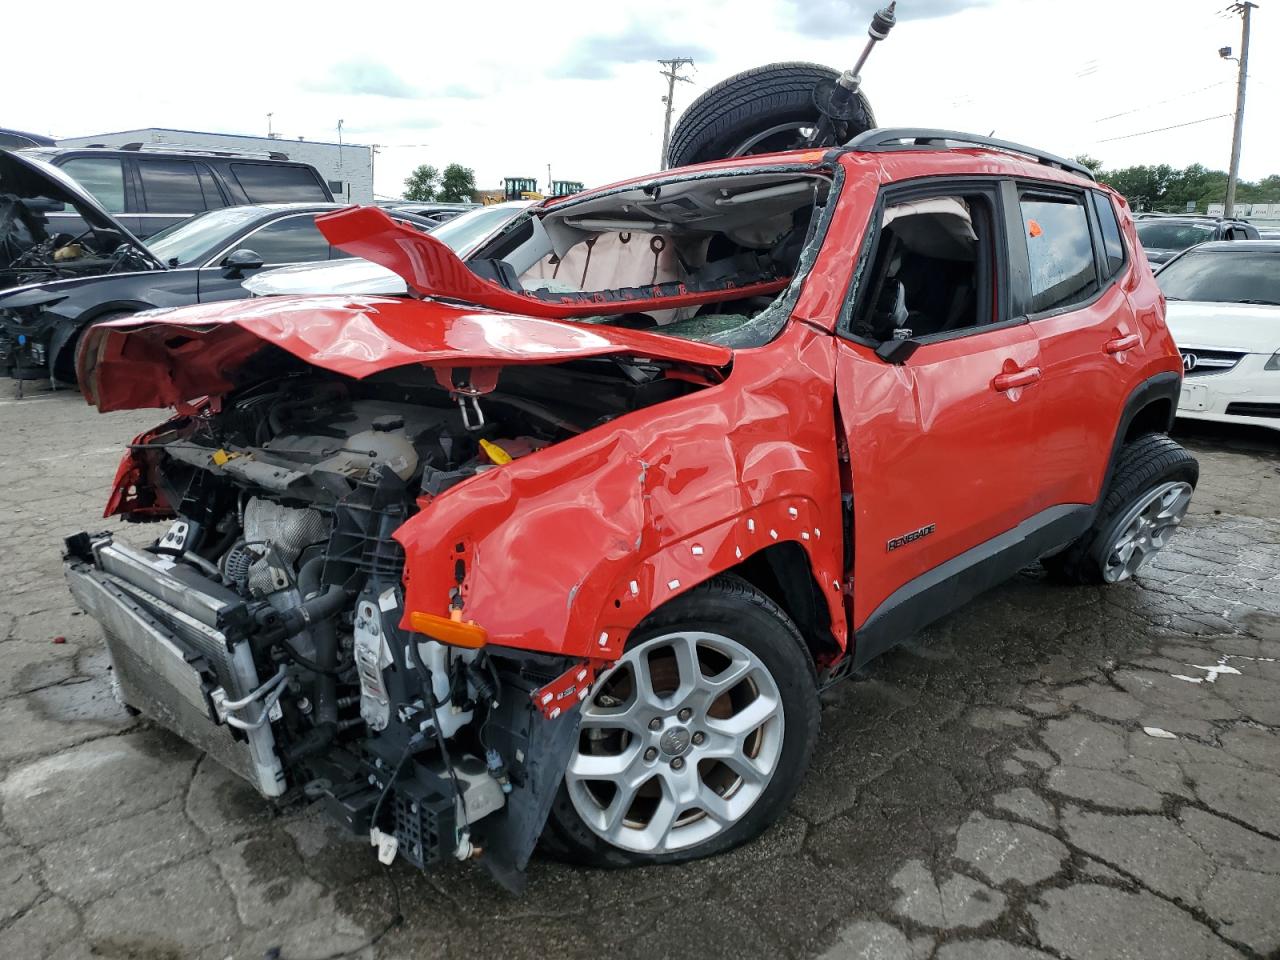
(1165,237)
(149,189)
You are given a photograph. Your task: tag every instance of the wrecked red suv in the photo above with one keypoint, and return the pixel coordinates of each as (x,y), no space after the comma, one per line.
(564,543)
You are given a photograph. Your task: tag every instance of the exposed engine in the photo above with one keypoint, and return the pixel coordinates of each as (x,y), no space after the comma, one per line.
(264,624)
(31,253)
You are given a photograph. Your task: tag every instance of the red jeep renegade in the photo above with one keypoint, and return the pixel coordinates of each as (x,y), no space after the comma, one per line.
(564,542)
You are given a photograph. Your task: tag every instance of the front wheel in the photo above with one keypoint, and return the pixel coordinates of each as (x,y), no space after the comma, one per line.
(696,740)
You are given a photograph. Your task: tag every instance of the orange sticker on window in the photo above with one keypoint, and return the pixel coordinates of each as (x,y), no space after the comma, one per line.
(1033,227)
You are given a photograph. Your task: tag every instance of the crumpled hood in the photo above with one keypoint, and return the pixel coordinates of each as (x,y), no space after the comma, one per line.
(28,178)
(1248,327)
(167,358)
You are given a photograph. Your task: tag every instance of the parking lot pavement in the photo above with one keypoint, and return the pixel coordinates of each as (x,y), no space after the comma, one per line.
(1051,772)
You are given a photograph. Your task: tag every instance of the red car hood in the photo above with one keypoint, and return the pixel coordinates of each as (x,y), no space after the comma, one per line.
(167,358)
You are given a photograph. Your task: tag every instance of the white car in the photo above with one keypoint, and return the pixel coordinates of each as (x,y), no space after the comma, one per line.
(1224,314)
(462,234)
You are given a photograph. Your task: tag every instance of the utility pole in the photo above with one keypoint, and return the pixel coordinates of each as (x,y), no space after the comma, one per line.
(270,134)
(672,73)
(548,179)
(1233,176)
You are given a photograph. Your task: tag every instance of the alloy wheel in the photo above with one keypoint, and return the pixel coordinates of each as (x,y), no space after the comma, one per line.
(1145,529)
(678,742)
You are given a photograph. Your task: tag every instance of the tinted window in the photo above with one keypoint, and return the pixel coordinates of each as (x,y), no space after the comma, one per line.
(1112,245)
(170,186)
(269,183)
(1157,235)
(295,240)
(1222,276)
(1059,252)
(209,187)
(102,177)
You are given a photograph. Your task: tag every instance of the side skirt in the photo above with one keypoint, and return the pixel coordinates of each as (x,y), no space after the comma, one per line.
(950,585)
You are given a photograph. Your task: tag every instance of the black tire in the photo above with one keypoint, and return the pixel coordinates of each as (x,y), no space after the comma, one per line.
(1145,463)
(750,102)
(731,607)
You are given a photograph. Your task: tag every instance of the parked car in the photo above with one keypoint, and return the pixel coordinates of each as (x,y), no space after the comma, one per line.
(1224,313)
(17,139)
(429,208)
(497,561)
(1165,237)
(32,251)
(149,188)
(462,235)
(202,259)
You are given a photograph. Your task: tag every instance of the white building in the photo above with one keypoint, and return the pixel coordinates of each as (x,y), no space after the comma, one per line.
(346,167)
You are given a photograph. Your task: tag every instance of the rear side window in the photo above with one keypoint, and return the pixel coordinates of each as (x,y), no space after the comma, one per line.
(171,186)
(1059,252)
(269,183)
(209,187)
(294,240)
(1112,244)
(102,177)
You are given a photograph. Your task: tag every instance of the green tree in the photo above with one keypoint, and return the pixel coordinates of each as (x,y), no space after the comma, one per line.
(1093,163)
(422,184)
(457,184)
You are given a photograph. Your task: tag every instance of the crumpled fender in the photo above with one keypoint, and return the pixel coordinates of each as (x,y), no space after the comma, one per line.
(566,550)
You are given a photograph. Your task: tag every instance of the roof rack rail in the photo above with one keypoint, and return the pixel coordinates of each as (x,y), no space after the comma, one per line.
(161,147)
(885,139)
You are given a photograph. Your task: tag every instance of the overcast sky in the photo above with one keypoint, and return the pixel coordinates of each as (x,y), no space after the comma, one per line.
(507,87)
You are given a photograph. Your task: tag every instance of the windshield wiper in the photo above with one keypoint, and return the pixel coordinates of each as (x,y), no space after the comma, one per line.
(1265,303)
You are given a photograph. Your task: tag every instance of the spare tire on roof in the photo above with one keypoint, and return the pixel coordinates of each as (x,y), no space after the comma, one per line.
(757,111)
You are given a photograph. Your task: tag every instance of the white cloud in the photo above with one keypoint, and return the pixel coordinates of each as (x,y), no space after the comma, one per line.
(484,90)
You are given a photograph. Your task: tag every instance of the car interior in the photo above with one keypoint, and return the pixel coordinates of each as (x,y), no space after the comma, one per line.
(932,272)
(739,236)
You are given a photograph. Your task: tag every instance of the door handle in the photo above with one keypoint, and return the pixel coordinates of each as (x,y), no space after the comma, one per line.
(1121,344)
(1019,378)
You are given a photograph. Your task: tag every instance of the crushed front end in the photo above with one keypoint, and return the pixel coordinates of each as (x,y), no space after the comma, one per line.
(267,623)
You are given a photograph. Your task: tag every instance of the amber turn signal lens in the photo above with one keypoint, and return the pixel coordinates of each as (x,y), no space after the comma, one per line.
(453,632)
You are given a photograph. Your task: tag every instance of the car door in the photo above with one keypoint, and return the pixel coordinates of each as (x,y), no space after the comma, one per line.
(940,444)
(1069,240)
(286,240)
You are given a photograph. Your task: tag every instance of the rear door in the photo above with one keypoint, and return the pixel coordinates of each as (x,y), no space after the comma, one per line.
(940,447)
(170,192)
(1070,243)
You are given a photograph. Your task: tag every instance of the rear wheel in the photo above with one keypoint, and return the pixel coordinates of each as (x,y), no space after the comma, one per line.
(761,110)
(695,741)
(1148,497)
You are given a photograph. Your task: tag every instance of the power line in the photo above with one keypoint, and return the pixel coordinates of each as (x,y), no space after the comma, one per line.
(1160,103)
(1175,126)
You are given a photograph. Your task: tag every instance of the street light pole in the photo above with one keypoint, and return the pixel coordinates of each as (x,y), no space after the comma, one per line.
(1233,176)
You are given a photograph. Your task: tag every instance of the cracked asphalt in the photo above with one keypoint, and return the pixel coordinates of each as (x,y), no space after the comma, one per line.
(1079,773)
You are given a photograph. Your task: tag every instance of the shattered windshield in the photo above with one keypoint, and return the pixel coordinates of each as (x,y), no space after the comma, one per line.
(709,258)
